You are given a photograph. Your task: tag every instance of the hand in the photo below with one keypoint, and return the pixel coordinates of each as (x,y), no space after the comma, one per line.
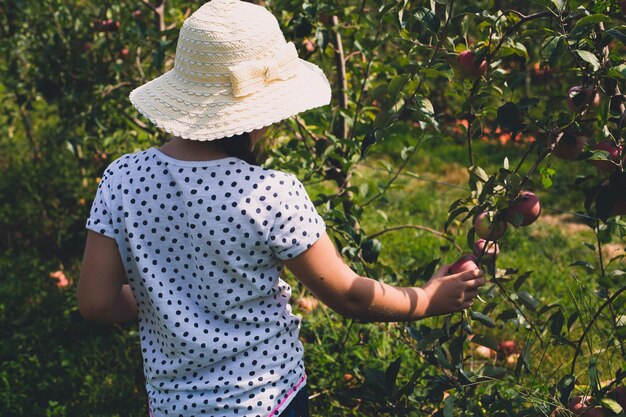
(451,293)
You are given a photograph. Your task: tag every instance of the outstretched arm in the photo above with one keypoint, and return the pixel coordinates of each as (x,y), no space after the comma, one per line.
(323,271)
(102,295)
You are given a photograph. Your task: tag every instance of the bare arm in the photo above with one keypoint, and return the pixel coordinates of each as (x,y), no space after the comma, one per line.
(323,271)
(102,296)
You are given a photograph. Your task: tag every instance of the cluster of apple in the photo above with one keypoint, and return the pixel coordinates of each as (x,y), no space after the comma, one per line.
(582,405)
(570,145)
(108,25)
(490,226)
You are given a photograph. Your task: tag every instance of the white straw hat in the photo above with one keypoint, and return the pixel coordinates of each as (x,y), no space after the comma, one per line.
(233,72)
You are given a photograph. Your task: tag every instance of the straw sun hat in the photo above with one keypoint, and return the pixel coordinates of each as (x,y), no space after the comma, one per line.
(233,72)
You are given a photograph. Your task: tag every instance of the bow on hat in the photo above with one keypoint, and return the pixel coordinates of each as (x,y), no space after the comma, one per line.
(250,76)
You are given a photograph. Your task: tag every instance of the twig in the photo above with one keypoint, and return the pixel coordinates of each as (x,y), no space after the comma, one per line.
(342,82)
(365,77)
(417,227)
(508,297)
(591,322)
(305,127)
(138,63)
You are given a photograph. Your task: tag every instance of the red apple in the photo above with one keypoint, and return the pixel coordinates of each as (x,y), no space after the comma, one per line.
(614,155)
(569,146)
(468,65)
(137,14)
(579,404)
(507,347)
(525,207)
(579,98)
(487,227)
(465,263)
(124,53)
(492,251)
(484,352)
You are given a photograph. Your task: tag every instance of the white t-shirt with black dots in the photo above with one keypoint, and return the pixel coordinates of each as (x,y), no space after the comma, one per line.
(202,244)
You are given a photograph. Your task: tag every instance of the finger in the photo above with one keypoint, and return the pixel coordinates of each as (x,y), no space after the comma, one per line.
(468,304)
(470,275)
(475,283)
(442,271)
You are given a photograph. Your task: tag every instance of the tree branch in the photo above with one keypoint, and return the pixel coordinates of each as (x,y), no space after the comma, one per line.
(417,227)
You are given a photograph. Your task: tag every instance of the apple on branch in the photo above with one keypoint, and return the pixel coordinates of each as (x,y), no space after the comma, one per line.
(614,155)
(465,263)
(469,66)
(492,251)
(525,209)
(569,146)
(579,98)
(488,227)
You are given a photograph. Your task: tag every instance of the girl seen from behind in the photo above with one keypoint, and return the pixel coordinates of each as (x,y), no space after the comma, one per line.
(202,233)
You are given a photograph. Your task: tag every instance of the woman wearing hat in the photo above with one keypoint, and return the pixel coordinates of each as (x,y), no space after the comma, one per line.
(202,233)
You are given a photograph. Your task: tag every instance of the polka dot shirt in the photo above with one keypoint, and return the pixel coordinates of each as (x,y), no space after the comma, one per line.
(202,244)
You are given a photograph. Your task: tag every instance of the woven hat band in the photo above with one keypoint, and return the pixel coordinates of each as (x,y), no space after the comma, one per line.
(250,76)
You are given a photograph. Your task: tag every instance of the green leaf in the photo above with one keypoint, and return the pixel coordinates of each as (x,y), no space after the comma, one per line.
(565,387)
(589,58)
(584,264)
(396,85)
(560,5)
(614,33)
(612,405)
(368,141)
(484,319)
(448,406)
(391,374)
(509,116)
(593,374)
(528,300)
(453,215)
(485,340)
(433,73)
(581,25)
(492,371)
(521,279)
(378,92)
(556,322)
(371,249)
(442,358)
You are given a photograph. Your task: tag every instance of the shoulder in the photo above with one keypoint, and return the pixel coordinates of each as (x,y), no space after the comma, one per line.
(126,164)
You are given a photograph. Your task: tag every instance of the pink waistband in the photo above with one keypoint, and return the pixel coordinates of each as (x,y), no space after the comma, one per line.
(291,391)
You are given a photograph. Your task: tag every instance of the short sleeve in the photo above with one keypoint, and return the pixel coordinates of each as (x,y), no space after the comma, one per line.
(297,225)
(100,218)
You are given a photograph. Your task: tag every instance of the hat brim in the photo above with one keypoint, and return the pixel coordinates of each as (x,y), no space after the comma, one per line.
(194,111)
